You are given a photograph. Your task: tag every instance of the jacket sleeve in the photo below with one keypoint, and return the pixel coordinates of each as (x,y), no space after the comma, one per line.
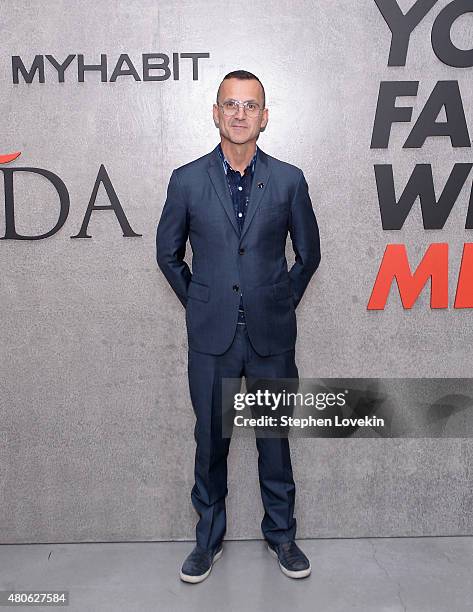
(171,237)
(304,233)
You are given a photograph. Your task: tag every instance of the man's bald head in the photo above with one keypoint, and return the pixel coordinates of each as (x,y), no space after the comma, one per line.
(242,75)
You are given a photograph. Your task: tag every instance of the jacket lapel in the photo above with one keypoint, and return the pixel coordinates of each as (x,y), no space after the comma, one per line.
(258,188)
(219,180)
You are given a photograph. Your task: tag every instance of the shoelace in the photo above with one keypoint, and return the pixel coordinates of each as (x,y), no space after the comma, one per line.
(291,552)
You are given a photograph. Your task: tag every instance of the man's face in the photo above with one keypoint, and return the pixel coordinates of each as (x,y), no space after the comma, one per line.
(240,128)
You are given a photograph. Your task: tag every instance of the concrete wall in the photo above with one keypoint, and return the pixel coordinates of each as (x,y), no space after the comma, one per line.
(96,422)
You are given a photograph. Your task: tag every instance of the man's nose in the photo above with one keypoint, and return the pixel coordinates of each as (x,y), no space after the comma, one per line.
(241,112)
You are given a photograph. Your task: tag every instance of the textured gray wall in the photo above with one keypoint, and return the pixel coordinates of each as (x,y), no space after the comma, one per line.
(96,422)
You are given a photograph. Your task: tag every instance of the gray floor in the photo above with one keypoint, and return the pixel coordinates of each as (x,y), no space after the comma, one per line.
(379,574)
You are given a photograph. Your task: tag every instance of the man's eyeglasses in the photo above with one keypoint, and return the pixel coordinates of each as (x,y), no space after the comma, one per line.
(230,108)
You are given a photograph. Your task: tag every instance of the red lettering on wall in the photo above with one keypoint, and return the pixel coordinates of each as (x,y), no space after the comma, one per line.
(395,265)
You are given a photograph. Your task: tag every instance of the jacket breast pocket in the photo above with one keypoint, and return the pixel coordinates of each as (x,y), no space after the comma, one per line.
(274,210)
(197,291)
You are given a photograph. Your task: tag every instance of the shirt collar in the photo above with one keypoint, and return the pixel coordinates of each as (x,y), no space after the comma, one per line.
(226,163)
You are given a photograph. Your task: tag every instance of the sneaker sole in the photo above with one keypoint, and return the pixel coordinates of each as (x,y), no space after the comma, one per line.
(291,574)
(196,579)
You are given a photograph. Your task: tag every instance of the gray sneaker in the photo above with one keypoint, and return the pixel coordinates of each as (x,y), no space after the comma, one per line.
(198,564)
(292,560)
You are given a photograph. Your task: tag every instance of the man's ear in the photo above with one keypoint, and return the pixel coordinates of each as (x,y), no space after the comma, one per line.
(265,120)
(215,115)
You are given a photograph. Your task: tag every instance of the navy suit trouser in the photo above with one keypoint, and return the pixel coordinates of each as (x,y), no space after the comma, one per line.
(274,460)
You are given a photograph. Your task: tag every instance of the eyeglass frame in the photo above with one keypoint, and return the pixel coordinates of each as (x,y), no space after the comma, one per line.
(240,103)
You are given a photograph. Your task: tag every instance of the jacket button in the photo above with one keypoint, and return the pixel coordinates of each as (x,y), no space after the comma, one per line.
(236,288)
(241,251)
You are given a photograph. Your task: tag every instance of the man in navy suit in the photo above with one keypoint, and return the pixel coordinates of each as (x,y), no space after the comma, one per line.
(236,206)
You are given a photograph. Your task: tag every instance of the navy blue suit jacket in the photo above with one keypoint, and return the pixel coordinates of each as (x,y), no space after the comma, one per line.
(199,208)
